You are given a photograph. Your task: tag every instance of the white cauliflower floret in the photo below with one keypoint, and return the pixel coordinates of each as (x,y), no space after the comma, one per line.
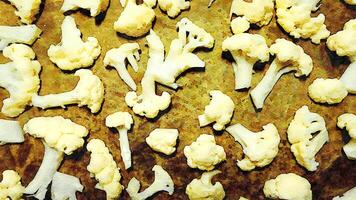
(288,57)
(19,77)
(65,186)
(219,110)
(95,6)
(288,186)
(59,133)
(26,9)
(349,195)
(117,57)
(122,121)
(331,91)
(348,78)
(351,2)
(307,133)
(259,12)
(239,25)
(203,189)
(72,53)
(204,153)
(10,132)
(166,70)
(259,148)
(246,49)
(135,20)
(163,140)
(10,186)
(27,34)
(103,167)
(173,7)
(88,92)
(294,16)
(348,121)
(162,182)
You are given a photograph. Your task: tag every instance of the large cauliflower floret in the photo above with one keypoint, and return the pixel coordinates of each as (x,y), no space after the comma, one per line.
(88,92)
(331,91)
(295,18)
(219,110)
(19,77)
(259,148)
(65,186)
(288,186)
(72,53)
(203,189)
(10,186)
(349,195)
(204,153)
(163,140)
(26,9)
(289,57)
(104,169)
(246,49)
(95,6)
(59,133)
(348,121)
(27,34)
(259,12)
(307,133)
(166,70)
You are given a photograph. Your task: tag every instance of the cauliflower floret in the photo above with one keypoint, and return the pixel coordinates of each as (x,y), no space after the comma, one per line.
(294,16)
(307,133)
(166,70)
(95,6)
(26,9)
(117,58)
(331,91)
(88,92)
(288,57)
(135,20)
(173,7)
(10,132)
(259,148)
(103,167)
(348,121)
(288,186)
(163,140)
(19,77)
(259,12)
(72,53)
(351,2)
(246,50)
(122,121)
(65,186)
(349,195)
(348,78)
(59,133)
(219,110)
(27,34)
(203,189)
(239,25)
(10,186)
(204,153)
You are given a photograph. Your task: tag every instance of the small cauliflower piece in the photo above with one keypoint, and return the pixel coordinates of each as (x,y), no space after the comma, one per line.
(246,49)
(288,186)
(259,12)
(20,78)
(348,121)
(294,16)
(122,121)
(88,92)
(163,140)
(10,186)
(204,153)
(239,25)
(288,57)
(203,189)
(27,34)
(104,169)
(10,132)
(72,53)
(330,91)
(220,110)
(95,6)
(162,182)
(26,9)
(350,2)
(65,186)
(348,78)
(117,57)
(173,7)
(260,148)
(349,195)
(307,133)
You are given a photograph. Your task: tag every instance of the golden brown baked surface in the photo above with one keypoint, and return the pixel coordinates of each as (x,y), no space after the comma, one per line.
(334,176)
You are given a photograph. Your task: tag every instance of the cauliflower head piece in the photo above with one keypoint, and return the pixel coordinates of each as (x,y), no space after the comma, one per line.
(65,186)
(10,186)
(330,91)
(349,195)
(26,9)
(95,6)
(350,2)
(163,140)
(173,7)
(26,34)
(348,121)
